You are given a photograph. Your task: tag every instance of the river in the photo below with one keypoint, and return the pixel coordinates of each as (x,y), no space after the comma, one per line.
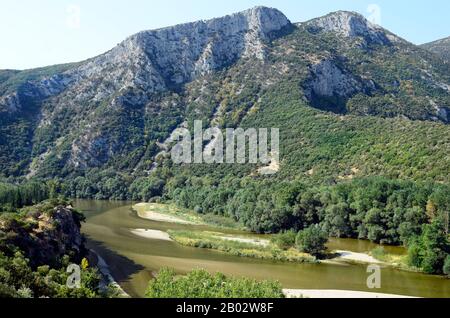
(133,259)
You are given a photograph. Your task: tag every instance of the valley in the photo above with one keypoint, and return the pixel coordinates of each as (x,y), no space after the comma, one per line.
(359,168)
(134,260)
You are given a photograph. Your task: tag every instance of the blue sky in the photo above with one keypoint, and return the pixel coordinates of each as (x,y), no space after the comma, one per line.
(45,32)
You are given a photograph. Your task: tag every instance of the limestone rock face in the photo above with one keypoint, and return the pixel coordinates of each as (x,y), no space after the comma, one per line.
(350,24)
(332,85)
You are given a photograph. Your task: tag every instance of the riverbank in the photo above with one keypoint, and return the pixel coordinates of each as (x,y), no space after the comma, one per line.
(350,256)
(324,294)
(107,277)
(164,213)
(170,214)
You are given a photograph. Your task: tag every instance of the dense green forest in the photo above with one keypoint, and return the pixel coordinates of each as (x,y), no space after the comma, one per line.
(378,209)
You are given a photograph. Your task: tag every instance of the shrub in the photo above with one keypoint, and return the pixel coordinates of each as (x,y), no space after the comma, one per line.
(284,240)
(414,255)
(379,253)
(201,284)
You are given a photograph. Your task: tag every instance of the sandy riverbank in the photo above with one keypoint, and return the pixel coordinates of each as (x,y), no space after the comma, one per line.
(142,212)
(152,234)
(356,257)
(314,293)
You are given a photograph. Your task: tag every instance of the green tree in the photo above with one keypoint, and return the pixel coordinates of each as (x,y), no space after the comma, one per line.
(430,250)
(446,268)
(435,244)
(312,240)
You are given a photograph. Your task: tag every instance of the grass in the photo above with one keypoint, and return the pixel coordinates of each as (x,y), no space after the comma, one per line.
(212,240)
(397,261)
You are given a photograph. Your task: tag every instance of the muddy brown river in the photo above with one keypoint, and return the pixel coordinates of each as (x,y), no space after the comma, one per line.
(133,259)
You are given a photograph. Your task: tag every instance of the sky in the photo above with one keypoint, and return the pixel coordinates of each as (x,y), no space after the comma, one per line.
(46,32)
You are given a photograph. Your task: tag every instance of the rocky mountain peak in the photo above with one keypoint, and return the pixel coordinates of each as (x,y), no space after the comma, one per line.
(166,58)
(265,20)
(350,24)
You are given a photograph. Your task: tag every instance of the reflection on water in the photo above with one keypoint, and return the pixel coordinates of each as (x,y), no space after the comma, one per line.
(133,259)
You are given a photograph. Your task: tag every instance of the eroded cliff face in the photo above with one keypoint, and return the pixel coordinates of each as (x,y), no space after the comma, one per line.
(44,237)
(329,86)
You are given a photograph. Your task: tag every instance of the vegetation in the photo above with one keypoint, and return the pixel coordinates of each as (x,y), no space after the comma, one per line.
(37,244)
(285,240)
(380,254)
(201,284)
(372,165)
(312,240)
(19,280)
(13,197)
(447,266)
(237,247)
(431,249)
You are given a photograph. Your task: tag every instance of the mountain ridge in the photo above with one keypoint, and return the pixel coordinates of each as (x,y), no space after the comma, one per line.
(117,110)
(440,47)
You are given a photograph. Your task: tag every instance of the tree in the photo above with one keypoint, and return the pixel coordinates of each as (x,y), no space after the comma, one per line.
(312,240)
(446,268)
(414,255)
(430,250)
(431,210)
(435,246)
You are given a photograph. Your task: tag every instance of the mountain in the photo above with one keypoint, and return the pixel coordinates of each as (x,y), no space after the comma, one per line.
(350,98)
(439,47)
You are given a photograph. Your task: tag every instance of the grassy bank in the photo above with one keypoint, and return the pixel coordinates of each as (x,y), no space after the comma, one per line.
(230,245)
(394,260)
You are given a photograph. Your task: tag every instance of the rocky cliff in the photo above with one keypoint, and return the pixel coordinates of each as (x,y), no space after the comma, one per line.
(43,236)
